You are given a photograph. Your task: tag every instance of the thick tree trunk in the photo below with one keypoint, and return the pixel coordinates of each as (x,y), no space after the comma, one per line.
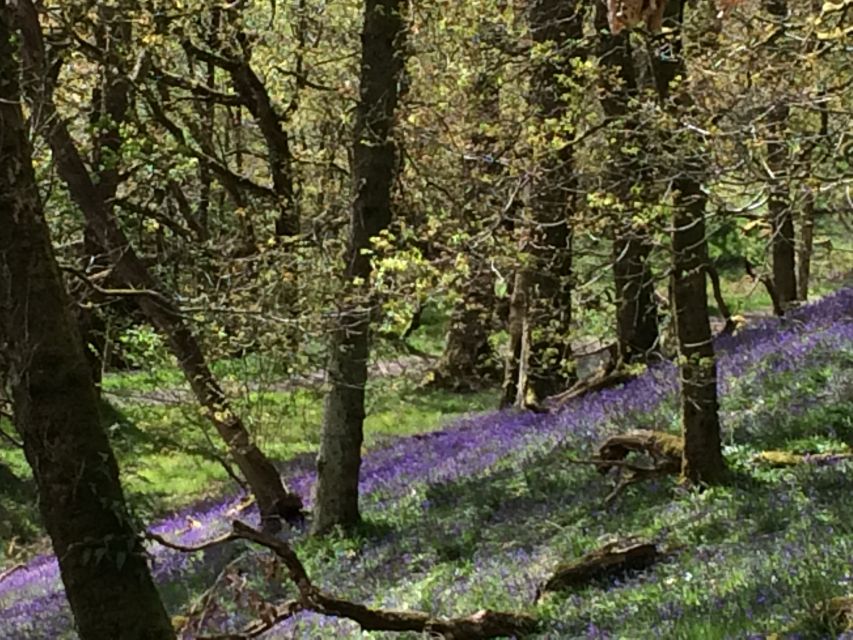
(274,500)
(466,363)
(101,559)
(779,202)
(636,311)
(703,460)
(374,169)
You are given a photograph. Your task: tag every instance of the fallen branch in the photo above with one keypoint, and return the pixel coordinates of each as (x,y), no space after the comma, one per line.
(483,624)
(664,449)
(10,571)
(612,560)
(788,459)
(605,379)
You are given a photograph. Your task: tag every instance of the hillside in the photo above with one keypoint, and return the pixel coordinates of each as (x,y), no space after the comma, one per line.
(478,514)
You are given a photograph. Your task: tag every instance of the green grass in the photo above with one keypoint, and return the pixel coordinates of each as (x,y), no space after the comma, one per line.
(167,452)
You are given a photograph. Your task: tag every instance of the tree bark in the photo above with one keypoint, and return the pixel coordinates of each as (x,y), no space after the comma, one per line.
(273,499)
(636,311)
(703,460)
(374,169)
(779,203)
(557,25)
(101,559)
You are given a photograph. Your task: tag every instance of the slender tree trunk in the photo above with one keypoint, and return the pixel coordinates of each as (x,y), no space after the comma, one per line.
(806,245)
(779,204)
(374,169)
(703,460)
(101,559)
(515,373)
(274,500)
(636,311)
(557,25)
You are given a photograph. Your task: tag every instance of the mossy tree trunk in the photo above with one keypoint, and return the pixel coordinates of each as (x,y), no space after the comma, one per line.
(373,173)
(102,562)
(703,460)
(467,362)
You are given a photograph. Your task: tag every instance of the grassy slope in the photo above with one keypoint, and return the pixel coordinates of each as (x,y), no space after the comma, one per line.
(756,553)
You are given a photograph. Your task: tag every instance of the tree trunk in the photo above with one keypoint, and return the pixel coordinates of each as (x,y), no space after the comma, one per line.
(467,361)
(374,169)
(779,203)
(703,460)
(558,26)
(806,245)
(274,500)
(636,311)
(102,562)
(517,365)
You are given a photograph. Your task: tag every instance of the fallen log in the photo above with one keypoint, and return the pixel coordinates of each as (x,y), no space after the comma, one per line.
(664,449)
(788,459)
(839,613)
(480,625)
(613,560)
(605,379)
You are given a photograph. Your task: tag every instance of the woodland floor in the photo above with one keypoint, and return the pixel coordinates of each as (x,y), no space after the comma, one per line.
(479,513)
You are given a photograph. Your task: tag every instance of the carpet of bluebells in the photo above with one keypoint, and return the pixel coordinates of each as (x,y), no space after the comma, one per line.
(477,515)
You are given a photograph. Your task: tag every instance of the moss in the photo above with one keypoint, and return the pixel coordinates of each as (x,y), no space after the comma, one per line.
(779,458)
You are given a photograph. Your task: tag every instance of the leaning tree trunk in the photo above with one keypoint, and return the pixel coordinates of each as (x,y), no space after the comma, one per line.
(374,169)
(556,26)
(779,202)
(274,501)
(102,562)
(703,460)
(636,309)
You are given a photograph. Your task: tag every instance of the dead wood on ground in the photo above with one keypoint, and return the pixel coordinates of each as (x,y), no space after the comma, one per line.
(613,560)
(664,449)
(482,624)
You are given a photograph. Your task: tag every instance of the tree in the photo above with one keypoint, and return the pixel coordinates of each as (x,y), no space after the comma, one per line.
(703,460)
(274,501)
(779,202)
(541,308)
(101,559)
(636,312)
(373,170)
(468,361)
